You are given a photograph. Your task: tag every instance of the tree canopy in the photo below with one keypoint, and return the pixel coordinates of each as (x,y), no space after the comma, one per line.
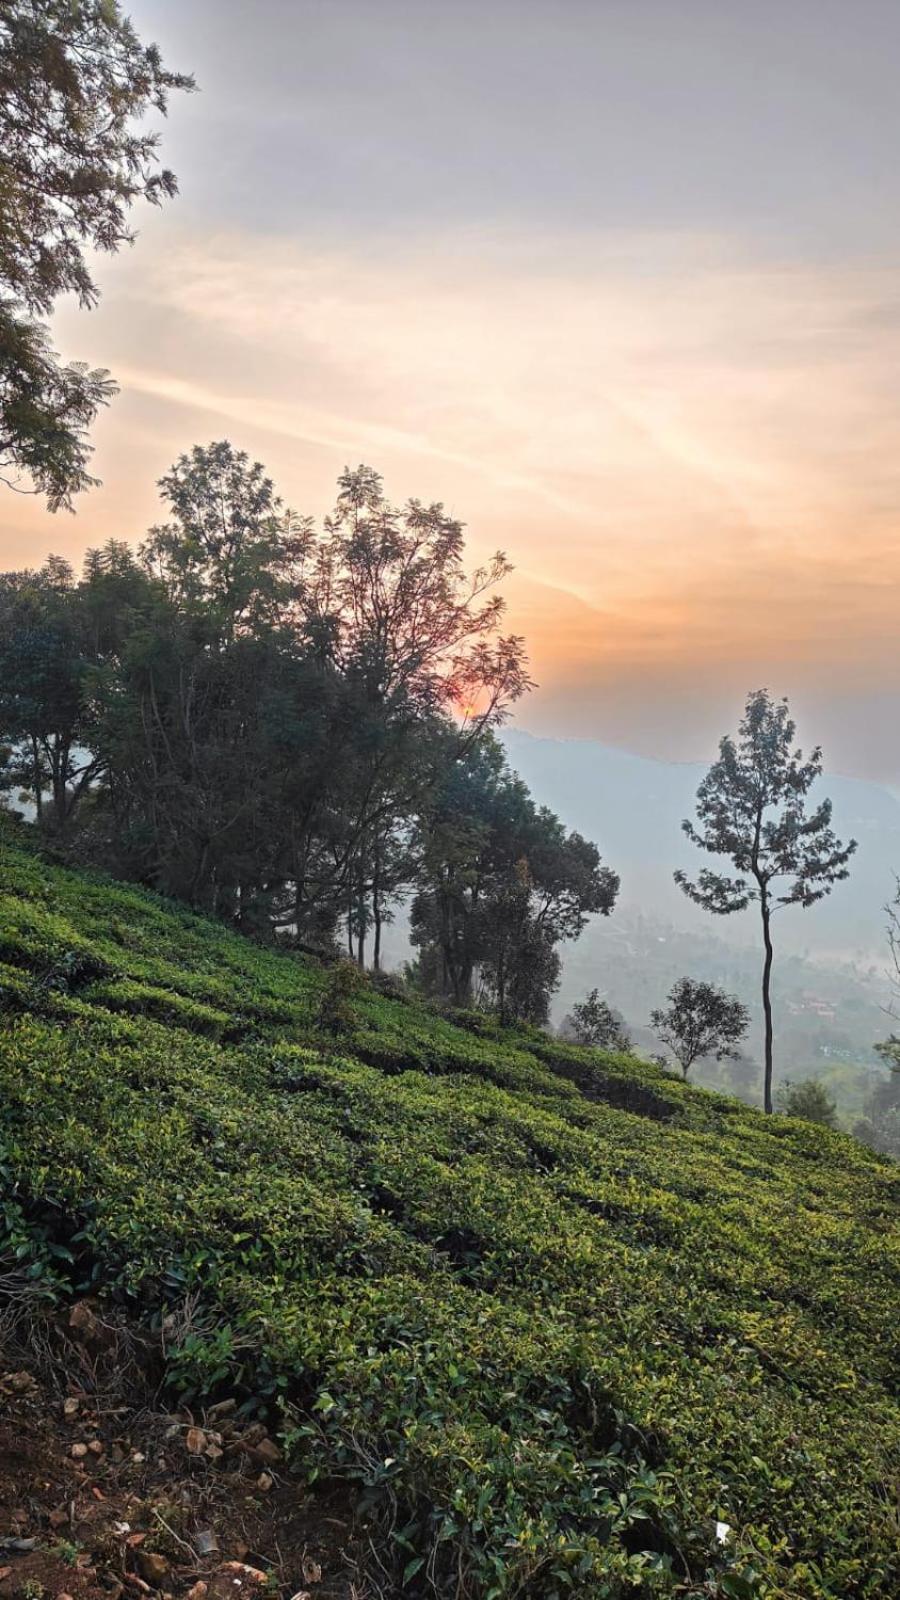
(291,726)
(700,1020)
(75,84)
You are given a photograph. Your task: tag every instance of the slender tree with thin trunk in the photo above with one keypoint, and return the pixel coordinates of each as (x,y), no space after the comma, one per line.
(752,806)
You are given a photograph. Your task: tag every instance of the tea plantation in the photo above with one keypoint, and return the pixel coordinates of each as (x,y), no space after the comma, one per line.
(570,1326)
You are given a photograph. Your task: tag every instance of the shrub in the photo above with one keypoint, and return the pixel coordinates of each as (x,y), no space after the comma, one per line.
(809,1098)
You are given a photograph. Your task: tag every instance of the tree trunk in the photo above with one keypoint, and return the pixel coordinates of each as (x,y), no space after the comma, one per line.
(38,785)
(767,1001)
(376,909)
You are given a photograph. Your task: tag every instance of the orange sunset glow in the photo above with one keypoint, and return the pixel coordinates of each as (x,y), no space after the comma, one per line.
(684,434)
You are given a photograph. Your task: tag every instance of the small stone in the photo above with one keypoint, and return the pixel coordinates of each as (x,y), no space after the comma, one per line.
(58,1519)
(242,1573)
(71,1407)
(79,1451)
(63,1595)
(138,1455)
(198,1591)
(154,1568)
(195,1442)
(214,1452)
(264,1481)
(21,1382)
(4,1573)
(96,1447)
(223,1408)
(267,1452)
(87,1327)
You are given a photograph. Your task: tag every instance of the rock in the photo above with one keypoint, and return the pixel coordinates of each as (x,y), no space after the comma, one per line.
(71,1407)
(198,1591)
(78,1452)
(243,1573)
(223,1408)
(58,1519)
(154,1568)
(96,1447)
(21,1382)
(265,1481)
(195,1441)
(214,1452)
(266,1452)
(4,1573)
(87,1327)
(63,1595)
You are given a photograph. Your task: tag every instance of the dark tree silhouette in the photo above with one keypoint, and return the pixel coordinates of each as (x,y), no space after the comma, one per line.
(75,81)
(700,1020)
(752,807)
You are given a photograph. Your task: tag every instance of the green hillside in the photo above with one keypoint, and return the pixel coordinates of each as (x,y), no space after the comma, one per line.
(557,1312)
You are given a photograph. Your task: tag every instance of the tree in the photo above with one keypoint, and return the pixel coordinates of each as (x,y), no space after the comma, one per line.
(752,807)
(593,1022)
(44,660)
(74,81)
(809,1098)
(501,885)
(271,707)
(231,556)
(700,1020)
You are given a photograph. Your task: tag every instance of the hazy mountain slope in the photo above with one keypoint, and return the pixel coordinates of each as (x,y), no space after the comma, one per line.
(634,807)
(557,1313)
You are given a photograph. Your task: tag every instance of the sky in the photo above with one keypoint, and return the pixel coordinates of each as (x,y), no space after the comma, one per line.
(618,281)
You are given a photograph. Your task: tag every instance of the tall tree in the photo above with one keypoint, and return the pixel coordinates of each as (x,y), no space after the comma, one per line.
(752,807)
(75,82)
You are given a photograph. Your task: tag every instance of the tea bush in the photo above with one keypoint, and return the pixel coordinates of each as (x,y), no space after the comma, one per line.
(556,1313)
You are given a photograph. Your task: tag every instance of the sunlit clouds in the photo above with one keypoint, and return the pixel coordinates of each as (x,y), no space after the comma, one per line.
(617,284)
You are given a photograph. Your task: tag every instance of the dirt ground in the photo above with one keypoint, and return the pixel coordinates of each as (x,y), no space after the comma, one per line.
(104,1496)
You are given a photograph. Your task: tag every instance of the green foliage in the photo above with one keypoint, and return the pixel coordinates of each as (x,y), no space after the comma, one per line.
(809,1099)
(75,82)
(593,1022)
(556,1312)
(337,1011)
(700,1020)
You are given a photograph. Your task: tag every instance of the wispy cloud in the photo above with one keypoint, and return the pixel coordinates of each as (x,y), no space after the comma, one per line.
(690,453)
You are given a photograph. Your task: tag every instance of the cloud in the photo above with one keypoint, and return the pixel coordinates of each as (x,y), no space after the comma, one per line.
(689,452)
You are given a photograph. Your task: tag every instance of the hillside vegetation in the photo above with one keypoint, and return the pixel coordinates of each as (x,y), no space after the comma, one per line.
(556,1313)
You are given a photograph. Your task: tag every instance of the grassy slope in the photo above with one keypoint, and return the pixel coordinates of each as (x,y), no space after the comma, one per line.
(559,1312)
